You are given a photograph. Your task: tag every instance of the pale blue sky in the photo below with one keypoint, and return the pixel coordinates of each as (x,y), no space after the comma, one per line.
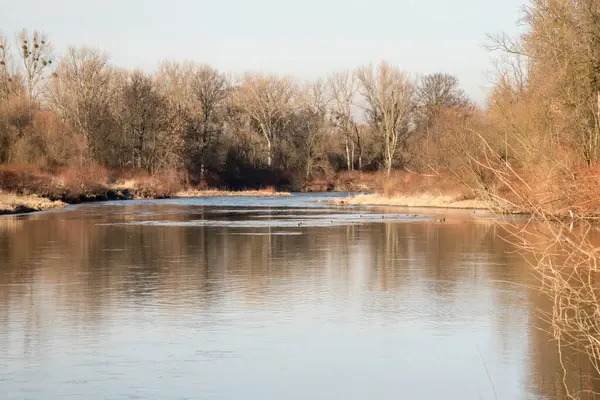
(306,39)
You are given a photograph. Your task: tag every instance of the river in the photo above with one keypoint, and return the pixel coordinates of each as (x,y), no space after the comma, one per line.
(269,298)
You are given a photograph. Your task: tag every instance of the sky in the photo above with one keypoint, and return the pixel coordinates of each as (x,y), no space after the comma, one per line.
(305,39)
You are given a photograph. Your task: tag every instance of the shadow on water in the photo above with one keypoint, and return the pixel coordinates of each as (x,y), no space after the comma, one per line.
(171,299)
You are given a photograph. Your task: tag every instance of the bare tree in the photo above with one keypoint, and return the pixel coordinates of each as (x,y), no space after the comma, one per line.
(267,101)
(312,126)
(209,91)
(343,87)
(437,95)
(174,81)
(197,97)
(563,43)
(81,90)
(437,92)
(390,101)
(144,123)
(358,134)
(36,59)
(4,65)
(10,82)
(173,78)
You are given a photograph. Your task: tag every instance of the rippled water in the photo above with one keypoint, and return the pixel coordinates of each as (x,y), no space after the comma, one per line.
(268,298)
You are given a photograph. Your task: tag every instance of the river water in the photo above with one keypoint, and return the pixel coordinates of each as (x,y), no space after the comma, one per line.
(269,298)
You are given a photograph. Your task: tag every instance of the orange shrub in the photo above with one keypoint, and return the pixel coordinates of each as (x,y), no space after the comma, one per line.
(83,182)
(143,185)
(25,179)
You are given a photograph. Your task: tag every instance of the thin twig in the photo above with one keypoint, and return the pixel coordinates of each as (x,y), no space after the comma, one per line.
(488,373)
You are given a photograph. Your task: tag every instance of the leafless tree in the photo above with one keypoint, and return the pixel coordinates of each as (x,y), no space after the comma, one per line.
(173,78)
(390,101)
(144,123)
(174,82)
(437,95)
(437,92)
(10,82)
(563,43)
(81,90)
(312,126)
(343,86)
(267,100)
(36,60)
(209,91)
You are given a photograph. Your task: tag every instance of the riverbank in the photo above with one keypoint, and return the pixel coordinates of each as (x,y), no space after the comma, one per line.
(417,200)
(25,188)
(229,193)
(20,204)
(29,188)
(407,189)
(14,204)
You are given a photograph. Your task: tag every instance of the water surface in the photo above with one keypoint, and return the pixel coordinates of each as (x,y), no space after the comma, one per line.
(268,298)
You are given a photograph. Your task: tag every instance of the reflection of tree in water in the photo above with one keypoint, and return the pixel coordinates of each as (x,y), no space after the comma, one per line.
(546,372)
(443,252)
(102,267)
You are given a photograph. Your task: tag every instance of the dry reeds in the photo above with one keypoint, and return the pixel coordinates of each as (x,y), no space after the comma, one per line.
(13,204)
(422,200)
(267,192)
(146,186)
(437,189)
(86,183)
(561,242)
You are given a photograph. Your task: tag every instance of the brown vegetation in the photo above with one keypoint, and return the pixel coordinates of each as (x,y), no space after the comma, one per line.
(89,183)
(409,189)
(416,200)
(206,128)
(13,204)
(535,147)
(267,192)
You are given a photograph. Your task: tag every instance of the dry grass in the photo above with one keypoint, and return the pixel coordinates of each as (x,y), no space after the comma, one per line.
(408,189)
(86,183)
(355,181)
(146,186)
(268,192)
(67,184)
(13,204)
(400,182)
(561,242)
(422,200)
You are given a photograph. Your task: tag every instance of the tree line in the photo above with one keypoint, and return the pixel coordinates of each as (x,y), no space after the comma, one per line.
(245,130)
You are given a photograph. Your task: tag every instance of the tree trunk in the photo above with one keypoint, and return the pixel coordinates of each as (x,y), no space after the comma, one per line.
(348,157)
(388,158)
(269,153)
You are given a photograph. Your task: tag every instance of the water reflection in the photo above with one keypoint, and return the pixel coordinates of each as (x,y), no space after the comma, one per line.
(93,307)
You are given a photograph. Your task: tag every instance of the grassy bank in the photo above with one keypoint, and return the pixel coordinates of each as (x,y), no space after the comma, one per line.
(74,185)
(14,204)
(26,188)
(417,200)
(407,189)
(29,188)
(269,192)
